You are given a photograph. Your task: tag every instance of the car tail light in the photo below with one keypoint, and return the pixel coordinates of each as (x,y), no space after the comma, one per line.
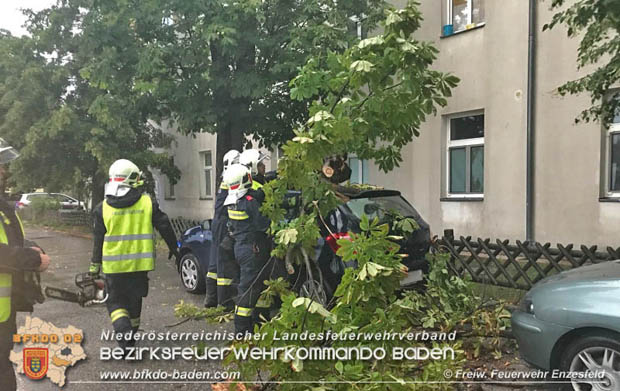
(19,204)
(332,239)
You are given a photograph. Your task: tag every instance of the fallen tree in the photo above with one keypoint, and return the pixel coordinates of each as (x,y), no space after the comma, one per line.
(370,101)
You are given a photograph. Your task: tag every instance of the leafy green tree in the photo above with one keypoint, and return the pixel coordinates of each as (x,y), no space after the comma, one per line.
(597,23)
(30,91)
(370,100)
(218,66)
(68,131)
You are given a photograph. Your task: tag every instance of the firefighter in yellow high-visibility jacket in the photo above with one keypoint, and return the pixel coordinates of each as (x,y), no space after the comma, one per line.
(16,262)
(124,245)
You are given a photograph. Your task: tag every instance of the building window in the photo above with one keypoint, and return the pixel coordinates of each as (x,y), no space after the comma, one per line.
(206,181)
(357,27)
(359,170)
(613,165)
(465,156)
(463,14)
(168,185)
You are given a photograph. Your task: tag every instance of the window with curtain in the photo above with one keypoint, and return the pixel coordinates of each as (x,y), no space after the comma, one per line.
(465,155)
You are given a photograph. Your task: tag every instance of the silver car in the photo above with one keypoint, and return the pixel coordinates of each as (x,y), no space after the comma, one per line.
(571,322)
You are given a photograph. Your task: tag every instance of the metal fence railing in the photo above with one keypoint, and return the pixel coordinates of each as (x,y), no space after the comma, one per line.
(518,265)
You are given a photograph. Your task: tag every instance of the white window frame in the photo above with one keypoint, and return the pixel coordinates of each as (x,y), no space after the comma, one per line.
(470,7)
(169,188)
(470,142)
(360,167)
(614,128)
(203,169)
(358,25)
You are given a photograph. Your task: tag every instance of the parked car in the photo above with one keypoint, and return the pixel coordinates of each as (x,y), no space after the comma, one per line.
(195,246)
(329,268)
(571,322)
(66,202)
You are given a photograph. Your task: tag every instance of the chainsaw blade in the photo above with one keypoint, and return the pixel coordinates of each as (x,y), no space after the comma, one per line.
(63,294)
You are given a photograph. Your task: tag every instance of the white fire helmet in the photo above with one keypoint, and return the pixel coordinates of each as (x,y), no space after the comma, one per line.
(238,179)
(231,157)
(124,176)
(250,158)
(7,152)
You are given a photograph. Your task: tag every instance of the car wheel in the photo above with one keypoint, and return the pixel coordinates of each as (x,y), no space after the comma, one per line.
(192,277)
(594,354)
(314,290)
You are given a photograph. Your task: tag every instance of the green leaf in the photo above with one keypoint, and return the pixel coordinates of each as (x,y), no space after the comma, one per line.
(287,236)
(361,66)
(339,367)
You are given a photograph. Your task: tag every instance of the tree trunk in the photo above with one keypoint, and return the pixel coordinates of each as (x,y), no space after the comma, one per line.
(98,186)
(229,137)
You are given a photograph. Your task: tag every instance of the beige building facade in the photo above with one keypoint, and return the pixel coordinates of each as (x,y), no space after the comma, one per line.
(573,166)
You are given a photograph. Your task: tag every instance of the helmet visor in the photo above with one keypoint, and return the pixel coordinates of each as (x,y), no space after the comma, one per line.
(116,189)
(8,154)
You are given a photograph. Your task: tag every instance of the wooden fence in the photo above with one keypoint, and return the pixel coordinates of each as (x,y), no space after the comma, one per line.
(518,265)
(182,224)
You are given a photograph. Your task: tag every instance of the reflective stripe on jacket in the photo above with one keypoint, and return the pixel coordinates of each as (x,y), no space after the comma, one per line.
(6,279)
(128,244)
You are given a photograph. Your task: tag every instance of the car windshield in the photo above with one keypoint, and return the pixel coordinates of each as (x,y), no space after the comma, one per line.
(381,207)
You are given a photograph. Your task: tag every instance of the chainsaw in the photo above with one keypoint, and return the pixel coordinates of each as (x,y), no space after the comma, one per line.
(91,291)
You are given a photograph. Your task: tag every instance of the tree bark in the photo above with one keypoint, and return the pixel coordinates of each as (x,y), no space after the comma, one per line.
(98,186)
(229,137)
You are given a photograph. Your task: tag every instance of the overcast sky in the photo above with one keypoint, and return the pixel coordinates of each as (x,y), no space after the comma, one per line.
(11,17)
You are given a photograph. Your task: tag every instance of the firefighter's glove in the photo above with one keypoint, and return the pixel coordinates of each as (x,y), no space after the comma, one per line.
(94,270)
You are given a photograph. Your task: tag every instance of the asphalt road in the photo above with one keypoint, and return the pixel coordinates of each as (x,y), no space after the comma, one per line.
(71,255)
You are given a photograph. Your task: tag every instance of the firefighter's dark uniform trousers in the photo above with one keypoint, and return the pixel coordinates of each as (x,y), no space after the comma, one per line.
(125,302)
(227,272)
(223,268)
(251,250)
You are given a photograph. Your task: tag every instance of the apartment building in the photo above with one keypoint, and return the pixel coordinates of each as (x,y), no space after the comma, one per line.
(468,170)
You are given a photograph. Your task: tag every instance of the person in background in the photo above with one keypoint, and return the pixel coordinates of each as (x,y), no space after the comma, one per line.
(253,160)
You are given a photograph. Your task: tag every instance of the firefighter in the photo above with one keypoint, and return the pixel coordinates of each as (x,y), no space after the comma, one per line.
(124,245)
(253,160)
(17,265)
(223,271)
(251,248)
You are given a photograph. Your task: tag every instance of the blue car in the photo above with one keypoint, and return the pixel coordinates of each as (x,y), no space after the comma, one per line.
(321,282)
(194,246)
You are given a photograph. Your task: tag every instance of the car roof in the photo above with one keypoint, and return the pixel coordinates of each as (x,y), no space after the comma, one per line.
(44,193)
(356,193)
(375,193)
